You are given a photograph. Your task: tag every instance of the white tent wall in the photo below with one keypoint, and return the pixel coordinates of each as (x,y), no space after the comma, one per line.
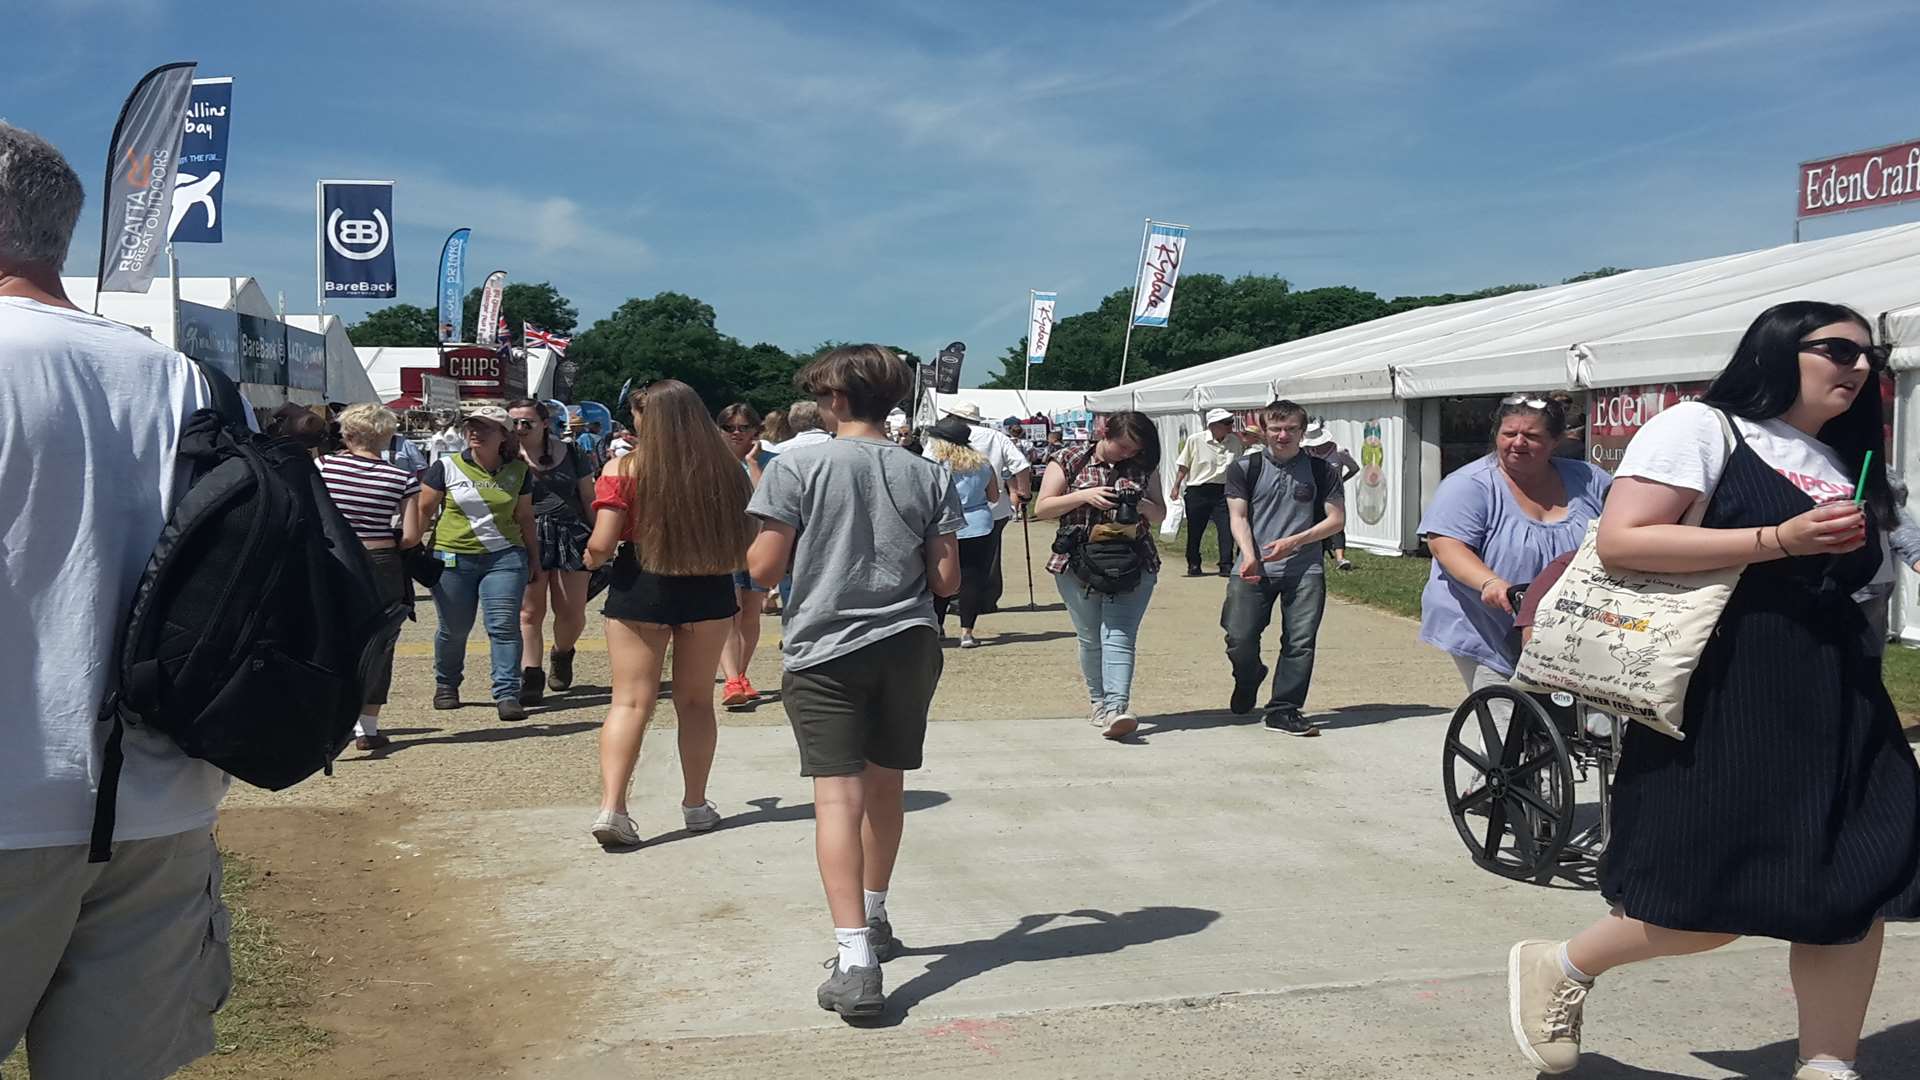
(1378,436)
(382,366)
(152,311)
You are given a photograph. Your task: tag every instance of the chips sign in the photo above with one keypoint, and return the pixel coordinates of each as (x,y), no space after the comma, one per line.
(1857,181)
(485,373)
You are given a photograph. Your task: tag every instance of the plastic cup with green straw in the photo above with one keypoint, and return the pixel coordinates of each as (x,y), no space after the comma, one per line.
(1860,485)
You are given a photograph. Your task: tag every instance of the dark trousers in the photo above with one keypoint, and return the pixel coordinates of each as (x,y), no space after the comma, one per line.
(1208,503)
(990,600)
(976,555)
(1245,615)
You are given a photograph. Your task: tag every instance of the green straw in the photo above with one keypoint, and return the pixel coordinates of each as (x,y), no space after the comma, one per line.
(1860,486)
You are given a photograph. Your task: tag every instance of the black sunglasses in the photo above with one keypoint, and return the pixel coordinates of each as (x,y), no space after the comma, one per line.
(526,425)
(1847,352)
(740,429)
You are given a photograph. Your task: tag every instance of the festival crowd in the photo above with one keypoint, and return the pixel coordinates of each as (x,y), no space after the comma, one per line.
(691,524)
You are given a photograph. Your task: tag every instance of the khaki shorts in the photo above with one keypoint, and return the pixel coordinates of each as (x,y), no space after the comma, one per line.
(115,968)
(867,706)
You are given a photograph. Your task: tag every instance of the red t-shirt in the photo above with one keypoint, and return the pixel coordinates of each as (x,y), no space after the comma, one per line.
(614,492)
(1542,581)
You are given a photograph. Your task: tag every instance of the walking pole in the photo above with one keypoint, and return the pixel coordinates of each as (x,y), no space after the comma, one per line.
(1026,541)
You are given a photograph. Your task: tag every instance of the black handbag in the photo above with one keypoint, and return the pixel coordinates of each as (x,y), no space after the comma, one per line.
(421,565)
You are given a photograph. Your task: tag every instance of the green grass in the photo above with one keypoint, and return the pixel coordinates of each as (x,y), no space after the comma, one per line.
(1394,584)
(260,1031)
(1381,581)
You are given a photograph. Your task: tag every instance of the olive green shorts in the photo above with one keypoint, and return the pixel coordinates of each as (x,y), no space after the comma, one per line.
(869,706)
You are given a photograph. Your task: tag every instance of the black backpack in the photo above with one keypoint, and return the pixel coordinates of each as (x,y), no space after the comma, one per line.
(256,622)
(1111,567)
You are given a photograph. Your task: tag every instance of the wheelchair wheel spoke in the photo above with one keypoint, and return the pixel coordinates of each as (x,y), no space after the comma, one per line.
(1524,843)
(1471,757)
(1489,731)
(1496,825)
(1532,766)
(1539,805)
(1474,799)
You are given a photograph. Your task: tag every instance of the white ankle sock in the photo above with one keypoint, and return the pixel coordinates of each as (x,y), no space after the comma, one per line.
(367,725)
(1571,972)
(855,949)
(1830,1066)
(876,904)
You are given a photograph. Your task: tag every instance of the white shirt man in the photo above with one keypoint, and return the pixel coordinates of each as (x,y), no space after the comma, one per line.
(112,969)
(810,425)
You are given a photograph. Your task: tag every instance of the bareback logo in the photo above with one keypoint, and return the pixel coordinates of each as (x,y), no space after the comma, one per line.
(358,239)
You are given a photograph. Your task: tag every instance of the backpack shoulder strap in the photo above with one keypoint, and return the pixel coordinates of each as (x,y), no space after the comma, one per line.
(227,400)
(1322,484)
(1252,463)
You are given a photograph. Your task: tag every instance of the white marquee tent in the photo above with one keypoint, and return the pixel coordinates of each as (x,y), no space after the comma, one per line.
(997,405)
(346,379)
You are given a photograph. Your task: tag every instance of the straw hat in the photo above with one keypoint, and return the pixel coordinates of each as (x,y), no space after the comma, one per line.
(965,410)
(1315,435)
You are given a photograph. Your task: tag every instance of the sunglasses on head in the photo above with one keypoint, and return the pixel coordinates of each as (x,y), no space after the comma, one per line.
(1529,401)
(740,429)
(1847,352)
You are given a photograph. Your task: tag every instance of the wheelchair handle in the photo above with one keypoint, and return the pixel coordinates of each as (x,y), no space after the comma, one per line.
(1517,594)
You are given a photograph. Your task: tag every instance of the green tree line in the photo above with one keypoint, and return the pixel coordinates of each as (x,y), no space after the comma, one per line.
(675,336)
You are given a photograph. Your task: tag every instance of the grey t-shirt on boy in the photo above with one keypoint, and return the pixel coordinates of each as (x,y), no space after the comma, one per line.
(1282,506)
(865,510)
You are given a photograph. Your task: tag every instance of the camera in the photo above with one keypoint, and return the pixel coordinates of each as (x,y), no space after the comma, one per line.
(1126,506)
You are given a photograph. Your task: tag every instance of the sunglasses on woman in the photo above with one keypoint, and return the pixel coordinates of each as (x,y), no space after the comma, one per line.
(525,425)
(1847,352)
(739,429)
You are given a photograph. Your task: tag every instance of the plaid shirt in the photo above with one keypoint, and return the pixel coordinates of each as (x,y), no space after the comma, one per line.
(1094,473)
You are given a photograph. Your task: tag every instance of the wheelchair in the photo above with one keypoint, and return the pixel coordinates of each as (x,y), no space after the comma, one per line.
(1513,767)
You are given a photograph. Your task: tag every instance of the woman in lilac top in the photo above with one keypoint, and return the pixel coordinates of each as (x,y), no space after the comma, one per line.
(1496,523)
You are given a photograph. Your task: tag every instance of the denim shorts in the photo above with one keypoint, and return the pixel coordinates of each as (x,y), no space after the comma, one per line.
(744,580)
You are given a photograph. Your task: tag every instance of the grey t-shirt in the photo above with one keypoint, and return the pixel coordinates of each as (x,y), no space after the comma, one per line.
(1282,506)
(865,510)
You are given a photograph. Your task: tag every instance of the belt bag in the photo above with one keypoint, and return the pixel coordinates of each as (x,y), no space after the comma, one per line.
(1626,641)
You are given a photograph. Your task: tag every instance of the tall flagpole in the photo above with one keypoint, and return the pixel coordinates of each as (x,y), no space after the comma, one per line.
(1127,345)
(1027,383)
(319,258)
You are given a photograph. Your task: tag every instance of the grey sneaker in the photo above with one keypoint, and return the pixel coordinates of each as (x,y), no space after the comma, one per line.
(880,936)
(1099,715)
(853,993)
(615,829)
(702,818)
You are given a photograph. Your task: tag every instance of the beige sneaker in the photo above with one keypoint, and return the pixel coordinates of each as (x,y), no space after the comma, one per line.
(1808,1072)
(1544,1006)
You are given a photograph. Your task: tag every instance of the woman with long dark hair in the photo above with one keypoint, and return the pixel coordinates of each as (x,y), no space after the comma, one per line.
(1106,496)
(1792,808)
(675,510)
(560,479)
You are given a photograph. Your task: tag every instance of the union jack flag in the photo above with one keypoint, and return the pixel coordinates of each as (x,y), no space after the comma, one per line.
(501,333)
(533,337)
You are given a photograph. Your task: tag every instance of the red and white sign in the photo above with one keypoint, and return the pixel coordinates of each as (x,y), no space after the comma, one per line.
(1616,414)
(1882,177)
(484,373)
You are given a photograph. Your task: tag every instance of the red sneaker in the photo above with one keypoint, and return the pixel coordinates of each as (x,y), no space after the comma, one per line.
(736,692)
(746,686)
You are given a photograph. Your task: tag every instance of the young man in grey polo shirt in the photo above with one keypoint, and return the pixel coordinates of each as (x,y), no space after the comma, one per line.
(868,527)
(1282,503)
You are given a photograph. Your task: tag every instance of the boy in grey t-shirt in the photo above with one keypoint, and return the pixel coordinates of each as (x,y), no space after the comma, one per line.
(869,527)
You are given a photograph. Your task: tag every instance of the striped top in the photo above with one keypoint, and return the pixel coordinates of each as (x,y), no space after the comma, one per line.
(368,492)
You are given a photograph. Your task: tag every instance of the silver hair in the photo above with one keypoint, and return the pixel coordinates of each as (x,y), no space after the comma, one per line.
(40,197)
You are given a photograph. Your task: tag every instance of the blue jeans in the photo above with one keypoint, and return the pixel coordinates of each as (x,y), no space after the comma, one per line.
(1247,612)
(1106,626)
(494,584)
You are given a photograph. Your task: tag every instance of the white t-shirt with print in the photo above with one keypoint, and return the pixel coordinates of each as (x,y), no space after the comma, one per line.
(1684,447)
(91,414)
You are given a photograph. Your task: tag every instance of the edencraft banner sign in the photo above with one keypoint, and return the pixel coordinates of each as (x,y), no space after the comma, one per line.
(1616,414)
(1882,177)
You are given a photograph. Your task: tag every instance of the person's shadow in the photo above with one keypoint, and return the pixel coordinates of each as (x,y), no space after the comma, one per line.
(1880,1055)
(1025,942)
(768,810)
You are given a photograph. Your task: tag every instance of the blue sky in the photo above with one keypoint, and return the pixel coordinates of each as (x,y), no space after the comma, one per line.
(906,171)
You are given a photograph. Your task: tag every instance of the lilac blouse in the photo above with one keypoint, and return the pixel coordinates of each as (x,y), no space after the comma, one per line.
(1475,506)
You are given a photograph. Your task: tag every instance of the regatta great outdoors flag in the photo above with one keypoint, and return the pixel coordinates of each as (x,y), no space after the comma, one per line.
(486,330)
(1160,258)
(356,240)
(1039,325)
(453,282)
(142,160)
(202,186)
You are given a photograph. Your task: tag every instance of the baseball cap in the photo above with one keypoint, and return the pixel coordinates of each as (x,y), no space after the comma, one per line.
(491,413)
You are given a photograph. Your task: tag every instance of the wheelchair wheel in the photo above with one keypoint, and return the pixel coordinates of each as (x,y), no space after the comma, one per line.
(1508,778)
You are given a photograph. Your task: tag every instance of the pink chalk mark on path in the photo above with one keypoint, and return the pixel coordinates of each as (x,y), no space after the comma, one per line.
(974,1031)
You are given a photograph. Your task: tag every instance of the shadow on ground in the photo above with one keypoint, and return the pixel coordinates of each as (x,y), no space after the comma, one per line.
(1346,716)
(1025,942)
(1880,1055)
(768,810)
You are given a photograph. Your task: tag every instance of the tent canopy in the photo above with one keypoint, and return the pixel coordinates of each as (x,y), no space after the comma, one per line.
(997,405)
(1665,323)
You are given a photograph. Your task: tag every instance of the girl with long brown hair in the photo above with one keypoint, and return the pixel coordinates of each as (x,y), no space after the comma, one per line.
(675,510)
(740,425)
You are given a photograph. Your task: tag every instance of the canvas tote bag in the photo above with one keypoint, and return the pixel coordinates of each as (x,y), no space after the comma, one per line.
(1625,641)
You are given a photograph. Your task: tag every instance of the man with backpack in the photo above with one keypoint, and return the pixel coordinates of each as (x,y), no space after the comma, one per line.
(112,968)
(1282,503)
